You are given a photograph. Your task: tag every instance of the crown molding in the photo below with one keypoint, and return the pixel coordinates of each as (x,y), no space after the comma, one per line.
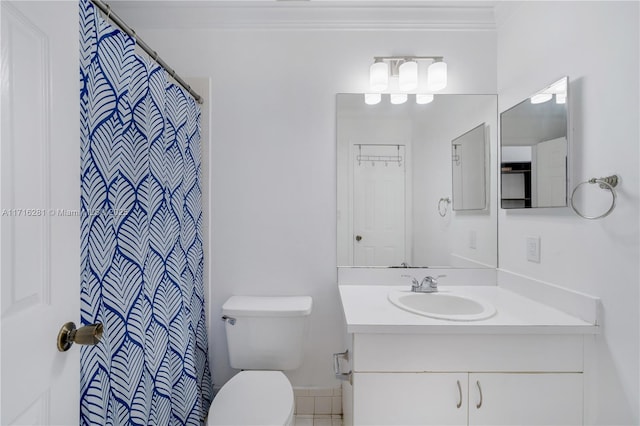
(504,10)
(308,15)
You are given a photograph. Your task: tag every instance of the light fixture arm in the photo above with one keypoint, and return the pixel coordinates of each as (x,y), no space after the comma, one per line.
(407,58)
(394,66)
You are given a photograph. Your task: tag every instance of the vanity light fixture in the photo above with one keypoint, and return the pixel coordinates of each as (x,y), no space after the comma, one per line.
(408,76)
(372,98)
(379,75)
(398,98)
(541,98)
(437,76)
(406,68)
(559,90)
(399,75)
(424,98)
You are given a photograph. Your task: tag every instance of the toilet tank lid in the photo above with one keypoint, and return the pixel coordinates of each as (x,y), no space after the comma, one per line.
(267,306)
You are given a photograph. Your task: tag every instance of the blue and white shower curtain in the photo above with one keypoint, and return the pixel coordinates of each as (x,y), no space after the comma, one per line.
(142,254)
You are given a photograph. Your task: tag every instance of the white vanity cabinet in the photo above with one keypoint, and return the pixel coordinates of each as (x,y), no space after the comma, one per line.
(425,379)
(526,399)
(410,398)
(467,398)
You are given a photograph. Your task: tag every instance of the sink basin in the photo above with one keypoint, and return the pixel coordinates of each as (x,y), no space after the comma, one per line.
(442,305)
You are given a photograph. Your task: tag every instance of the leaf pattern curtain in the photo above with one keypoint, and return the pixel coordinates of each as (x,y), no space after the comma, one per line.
(142,255)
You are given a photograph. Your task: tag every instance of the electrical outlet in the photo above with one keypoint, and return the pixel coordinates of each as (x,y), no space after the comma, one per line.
(533,249)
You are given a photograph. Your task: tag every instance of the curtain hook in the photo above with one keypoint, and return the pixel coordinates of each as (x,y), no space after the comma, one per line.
(108,11)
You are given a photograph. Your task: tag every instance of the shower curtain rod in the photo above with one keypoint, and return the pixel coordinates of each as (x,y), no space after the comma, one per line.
(106,9)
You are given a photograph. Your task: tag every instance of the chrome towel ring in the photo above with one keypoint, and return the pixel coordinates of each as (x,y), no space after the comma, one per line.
(609,183)
(443,202)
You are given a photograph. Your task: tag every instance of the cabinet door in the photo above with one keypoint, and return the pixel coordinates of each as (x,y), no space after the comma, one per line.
(410,398)
(525,399)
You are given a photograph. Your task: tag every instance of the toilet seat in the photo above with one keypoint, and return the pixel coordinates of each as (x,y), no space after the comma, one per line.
(254,398)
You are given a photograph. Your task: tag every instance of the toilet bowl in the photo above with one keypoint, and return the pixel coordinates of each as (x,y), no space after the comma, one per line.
(265,336)
(260,398)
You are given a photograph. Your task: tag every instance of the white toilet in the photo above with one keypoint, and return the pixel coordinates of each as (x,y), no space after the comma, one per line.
(265,335)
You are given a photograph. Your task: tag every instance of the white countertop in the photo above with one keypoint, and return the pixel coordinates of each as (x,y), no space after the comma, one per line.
(367,310)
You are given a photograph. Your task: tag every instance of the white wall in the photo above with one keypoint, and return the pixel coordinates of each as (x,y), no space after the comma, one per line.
(596,45)
(273,157)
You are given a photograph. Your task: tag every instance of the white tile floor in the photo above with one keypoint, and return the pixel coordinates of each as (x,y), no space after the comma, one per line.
(318,401)
(317,420)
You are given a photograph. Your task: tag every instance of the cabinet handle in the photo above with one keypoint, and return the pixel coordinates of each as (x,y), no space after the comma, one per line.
(479,404)
(459,393)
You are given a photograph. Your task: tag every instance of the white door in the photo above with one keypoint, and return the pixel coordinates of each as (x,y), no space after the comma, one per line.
(525,399)
(40,221)
(410,399)
(378,205)
(551,172)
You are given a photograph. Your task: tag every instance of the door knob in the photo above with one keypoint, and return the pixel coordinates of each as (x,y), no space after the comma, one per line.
(358,237)
(87,335)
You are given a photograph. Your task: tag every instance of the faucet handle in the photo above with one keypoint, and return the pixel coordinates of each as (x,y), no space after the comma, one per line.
(414,281)
(431,281)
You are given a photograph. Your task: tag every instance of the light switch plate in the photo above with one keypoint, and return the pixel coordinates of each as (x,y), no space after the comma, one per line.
(533,249)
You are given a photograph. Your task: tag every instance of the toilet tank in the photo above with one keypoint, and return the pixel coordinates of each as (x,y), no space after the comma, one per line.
(266,333)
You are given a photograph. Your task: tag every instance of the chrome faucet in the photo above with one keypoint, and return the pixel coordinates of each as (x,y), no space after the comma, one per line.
(429,284)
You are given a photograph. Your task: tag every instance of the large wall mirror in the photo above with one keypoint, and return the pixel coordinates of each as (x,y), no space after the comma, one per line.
(534,150)
(395,167)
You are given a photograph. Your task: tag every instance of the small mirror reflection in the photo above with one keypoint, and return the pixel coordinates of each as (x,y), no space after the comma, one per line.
(468,163)
(534,149)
